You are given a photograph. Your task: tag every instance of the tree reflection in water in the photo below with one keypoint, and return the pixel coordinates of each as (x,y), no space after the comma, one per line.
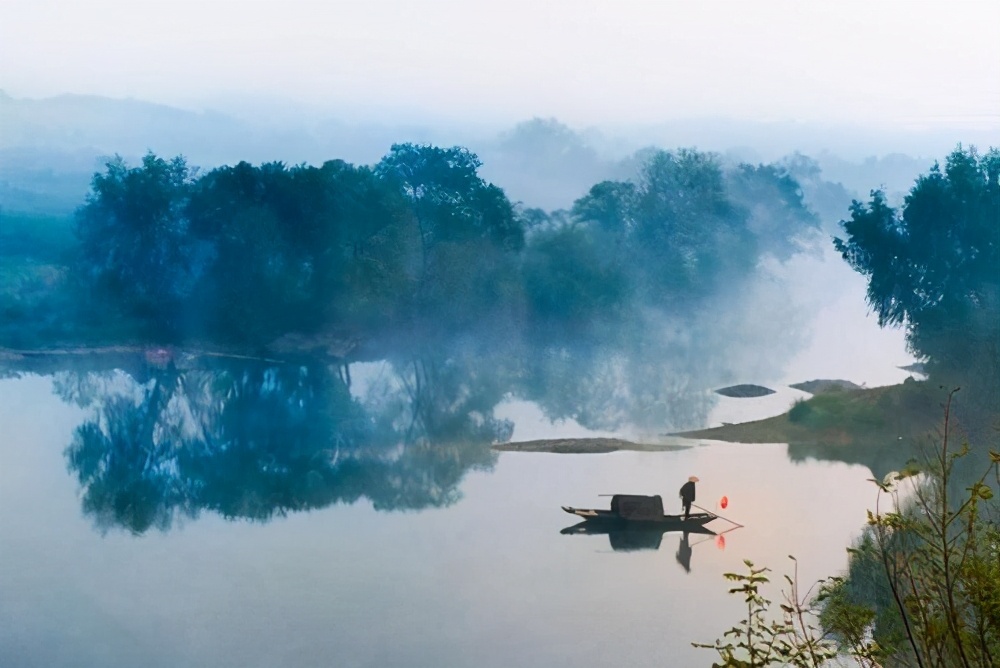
(252,441)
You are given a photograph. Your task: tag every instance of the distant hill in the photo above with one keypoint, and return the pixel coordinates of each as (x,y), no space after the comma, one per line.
(73,123)
(50,148)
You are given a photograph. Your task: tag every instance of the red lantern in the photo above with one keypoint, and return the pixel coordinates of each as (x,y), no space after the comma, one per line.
(723,502)
(720,542)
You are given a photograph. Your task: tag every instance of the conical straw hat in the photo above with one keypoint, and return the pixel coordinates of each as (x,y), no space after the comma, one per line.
(694,478)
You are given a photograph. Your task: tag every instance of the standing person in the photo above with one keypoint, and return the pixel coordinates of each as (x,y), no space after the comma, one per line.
(687,495)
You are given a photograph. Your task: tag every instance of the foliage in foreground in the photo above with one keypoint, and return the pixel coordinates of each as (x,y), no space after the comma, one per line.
(759,641)
(925,581)
(923,587)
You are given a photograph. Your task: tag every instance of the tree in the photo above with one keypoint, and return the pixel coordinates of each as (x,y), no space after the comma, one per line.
(468,230)
(569,283)
(378,248)
(253,221)
(134,238)
(932,267)
(448,198)
(828,200)
(299,248)
(675,224)
(779,217)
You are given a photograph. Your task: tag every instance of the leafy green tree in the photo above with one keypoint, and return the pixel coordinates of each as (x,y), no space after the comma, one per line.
(932,267)
(448,198)
(611,206)
(301,248)
(367,284)
(134,236)
(468,231)
(252,219)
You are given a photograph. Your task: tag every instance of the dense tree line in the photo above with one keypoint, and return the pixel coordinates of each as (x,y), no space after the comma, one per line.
(420,243)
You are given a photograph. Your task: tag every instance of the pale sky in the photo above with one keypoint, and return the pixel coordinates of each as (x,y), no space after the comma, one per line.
(585,62)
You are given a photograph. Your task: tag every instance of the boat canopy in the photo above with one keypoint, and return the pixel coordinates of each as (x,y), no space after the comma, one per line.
(633,507)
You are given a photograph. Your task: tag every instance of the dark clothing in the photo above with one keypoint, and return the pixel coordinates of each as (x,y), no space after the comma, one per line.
(687,497)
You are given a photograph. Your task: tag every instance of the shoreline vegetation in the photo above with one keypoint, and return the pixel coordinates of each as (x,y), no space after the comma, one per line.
(418,254)
(839,413)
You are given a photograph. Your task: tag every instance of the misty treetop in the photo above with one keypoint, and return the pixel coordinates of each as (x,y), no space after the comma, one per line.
(420,242)
(691,226)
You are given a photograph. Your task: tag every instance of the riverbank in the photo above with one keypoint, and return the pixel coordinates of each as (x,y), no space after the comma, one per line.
(840,415)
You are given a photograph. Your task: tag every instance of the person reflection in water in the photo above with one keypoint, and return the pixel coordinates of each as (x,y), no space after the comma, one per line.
(687,495)
(684,553)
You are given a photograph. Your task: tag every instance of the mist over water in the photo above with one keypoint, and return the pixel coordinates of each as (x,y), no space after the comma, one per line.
(616,290)
(367,585)
(286,287)
(294,461)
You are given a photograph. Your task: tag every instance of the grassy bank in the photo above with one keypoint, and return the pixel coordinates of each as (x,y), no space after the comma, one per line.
(840,416)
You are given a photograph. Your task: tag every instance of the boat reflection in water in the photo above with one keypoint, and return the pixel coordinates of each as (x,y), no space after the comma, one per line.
(634,536)
(628,537)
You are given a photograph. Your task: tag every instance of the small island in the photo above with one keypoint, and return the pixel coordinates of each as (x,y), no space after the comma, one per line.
(745,391)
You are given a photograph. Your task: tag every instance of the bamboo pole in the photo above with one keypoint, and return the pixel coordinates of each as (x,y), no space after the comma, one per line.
(716,514)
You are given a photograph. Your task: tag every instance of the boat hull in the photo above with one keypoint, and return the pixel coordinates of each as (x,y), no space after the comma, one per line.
(694,522)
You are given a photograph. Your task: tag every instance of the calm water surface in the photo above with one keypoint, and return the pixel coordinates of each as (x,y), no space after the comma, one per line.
(488,580)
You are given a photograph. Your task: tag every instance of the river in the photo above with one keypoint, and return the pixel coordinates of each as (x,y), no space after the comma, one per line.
(171,518)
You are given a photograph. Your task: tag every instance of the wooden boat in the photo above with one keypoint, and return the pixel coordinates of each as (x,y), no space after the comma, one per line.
(641,511)
(693,523)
